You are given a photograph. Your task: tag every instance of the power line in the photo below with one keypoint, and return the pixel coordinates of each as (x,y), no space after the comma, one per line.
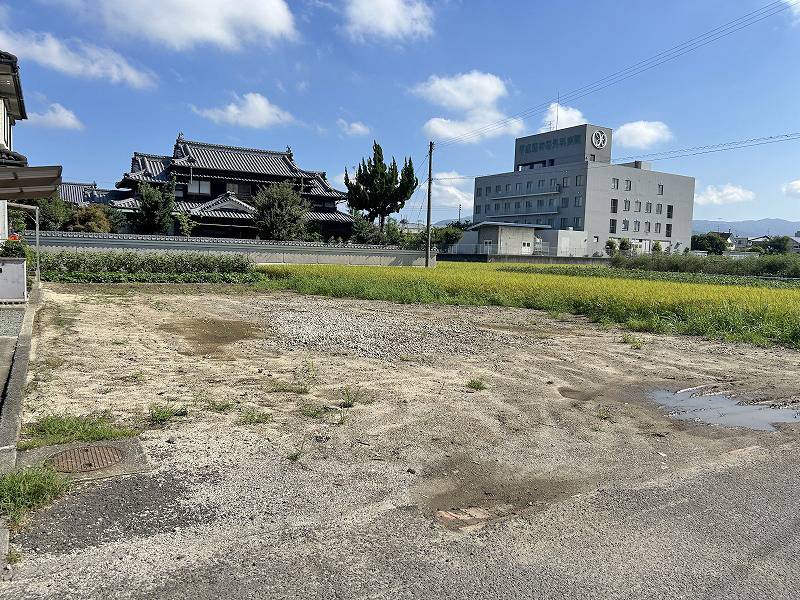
(660,58)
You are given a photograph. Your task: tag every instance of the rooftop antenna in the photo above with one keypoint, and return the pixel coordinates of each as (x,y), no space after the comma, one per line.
(558,106)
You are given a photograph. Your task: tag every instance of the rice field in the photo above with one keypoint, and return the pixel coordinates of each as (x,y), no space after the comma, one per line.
(760,315)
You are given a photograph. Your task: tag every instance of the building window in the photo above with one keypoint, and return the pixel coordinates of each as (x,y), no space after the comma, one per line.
(614,205)
(498,189)
(669,230)
(565,182)
(577,222)
(541,184)
(647,226)
(550,221)
(179,191)
(529,186)
(487,208)
(578,179)
(564,222)
(648,207)
(659,209)
(627,185)
(637,225)
(660,189)
(551,202)
(627,205)
(625,224)
(516,205)
(506,206)
(669,212)
(658,227)
(488,190)
(592,157)
(564,202)
(539,221)
(637,206)
(578,200)
(479,192)
(553,184)
(508,187)
(612,226)
(518,187)
(614,183)
(477,209)
(540,203)
(527,203)
(496,207)
(200,187)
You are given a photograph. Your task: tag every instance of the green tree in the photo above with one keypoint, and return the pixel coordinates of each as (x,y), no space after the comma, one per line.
(656,249)
(366,232)
(91,218)
(379,189)
(611,247)
(54,213)
(155,209)
(710,242)
(185,224)
(778,245)
(281,213)
(625,246)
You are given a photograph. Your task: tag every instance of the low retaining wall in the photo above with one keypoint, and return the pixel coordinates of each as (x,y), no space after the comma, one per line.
(258,251)
(514,258)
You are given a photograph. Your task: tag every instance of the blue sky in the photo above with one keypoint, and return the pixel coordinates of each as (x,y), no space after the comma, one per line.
(103,79)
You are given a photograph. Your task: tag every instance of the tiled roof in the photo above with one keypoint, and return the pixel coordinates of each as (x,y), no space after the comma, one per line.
(9,158)
(334,217)
(74,193)
(81,193)
(232,158)
(149,168)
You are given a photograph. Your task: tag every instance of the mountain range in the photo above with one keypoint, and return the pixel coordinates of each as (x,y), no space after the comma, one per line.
(749,228)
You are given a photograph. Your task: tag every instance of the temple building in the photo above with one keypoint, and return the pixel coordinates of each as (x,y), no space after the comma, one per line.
(215,185)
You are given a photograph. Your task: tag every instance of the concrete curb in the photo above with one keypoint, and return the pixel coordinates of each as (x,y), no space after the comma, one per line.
(11,403)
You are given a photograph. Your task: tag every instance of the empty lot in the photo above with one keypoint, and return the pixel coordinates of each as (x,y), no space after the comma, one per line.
(558,480)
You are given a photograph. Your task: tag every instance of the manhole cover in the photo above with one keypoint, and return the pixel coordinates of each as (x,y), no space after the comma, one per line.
(86,458)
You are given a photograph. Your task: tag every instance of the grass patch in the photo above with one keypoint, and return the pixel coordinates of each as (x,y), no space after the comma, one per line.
(220,406)
(313,411)
(63,429)
(476,384)
(744,313)
(252,416)
(288,387)
(13,557)
(25,490)
(603,413)
(160,414)
(349,397)
(633,341)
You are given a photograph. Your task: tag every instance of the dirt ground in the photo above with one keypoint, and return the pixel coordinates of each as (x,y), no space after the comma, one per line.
(560,479)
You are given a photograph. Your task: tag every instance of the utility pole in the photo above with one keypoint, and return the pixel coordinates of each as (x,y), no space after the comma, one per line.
(428,227)
(459,212)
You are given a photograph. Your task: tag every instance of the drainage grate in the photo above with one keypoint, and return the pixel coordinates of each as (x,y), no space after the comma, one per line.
(86,458)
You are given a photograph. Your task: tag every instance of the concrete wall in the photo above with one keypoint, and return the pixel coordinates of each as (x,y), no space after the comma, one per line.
(13,280)
(259,251)
(505,258)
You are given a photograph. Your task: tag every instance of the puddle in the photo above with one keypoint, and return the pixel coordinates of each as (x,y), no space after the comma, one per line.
(722,410)
(207,336)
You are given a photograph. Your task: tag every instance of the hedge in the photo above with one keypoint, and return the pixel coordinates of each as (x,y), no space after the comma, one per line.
(176,263)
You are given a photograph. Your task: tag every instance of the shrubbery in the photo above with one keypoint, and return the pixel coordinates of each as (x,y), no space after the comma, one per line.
(174,263)
(776,265)
(146,277)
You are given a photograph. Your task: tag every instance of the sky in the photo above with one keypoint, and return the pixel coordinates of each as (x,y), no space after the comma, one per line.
(103,79)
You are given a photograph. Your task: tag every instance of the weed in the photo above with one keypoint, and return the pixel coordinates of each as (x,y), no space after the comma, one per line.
(13,557)
(295,456)
(163,413)
(632,340)
(285,386)
(404,358)
(476,384)
(352,396)
(119,342)
(220,406)
(252,416)
(603,413)
(25,490)
(313,411)
(62,429)
(307,372)
(137,377)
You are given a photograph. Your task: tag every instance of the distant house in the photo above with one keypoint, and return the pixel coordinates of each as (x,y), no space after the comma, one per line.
(215,186)
(727,236)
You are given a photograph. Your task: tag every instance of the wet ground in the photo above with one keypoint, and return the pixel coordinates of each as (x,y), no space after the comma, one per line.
(561,479)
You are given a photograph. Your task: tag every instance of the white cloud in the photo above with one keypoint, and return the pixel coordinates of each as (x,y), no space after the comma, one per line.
(183,24)
(792,189)
(394,20)
(352,129)
(794,7)
(724,194)
(449,190)
(250,110)
(561,116)
(56,117)
(75,58)
(475,95)
(642,134)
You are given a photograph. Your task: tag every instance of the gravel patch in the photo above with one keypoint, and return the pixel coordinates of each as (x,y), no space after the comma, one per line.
(11,321)
(350,330)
